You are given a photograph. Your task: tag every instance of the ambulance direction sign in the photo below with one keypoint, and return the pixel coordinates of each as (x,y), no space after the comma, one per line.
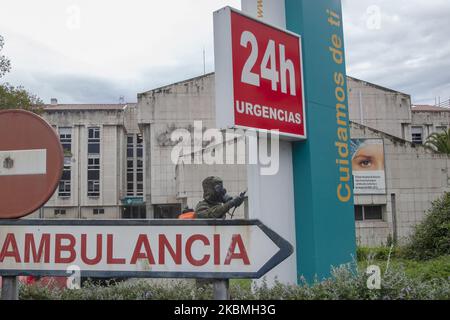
(259,82)
(218,249)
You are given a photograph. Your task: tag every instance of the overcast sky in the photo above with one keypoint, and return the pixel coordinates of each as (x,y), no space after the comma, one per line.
(85,51)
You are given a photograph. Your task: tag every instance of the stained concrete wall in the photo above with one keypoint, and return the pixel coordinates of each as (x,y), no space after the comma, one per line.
(112,167)
(380,108)
(430,121)
(189,176)
(416,176)
(178,105)
(160,112)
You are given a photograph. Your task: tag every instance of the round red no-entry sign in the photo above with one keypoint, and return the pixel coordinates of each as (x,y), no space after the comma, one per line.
(31,163)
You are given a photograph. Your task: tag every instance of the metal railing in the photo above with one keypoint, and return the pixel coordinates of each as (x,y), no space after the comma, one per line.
(444,104)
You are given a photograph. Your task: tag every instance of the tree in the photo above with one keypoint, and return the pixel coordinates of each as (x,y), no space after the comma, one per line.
(12,97)
(18,98)
(440,141)
(5,64)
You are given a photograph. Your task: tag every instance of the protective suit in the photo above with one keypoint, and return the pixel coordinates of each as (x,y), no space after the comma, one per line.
(216,202)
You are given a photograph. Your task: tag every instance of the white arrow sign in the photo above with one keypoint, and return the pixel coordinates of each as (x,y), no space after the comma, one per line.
(148,248)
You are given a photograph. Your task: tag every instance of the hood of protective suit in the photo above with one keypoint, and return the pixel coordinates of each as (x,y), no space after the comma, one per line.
(209,193)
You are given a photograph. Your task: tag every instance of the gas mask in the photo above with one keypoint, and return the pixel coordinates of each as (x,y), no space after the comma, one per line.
(221,193)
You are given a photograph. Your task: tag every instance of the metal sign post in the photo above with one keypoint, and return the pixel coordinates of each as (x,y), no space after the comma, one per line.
(10,290)
(222,289)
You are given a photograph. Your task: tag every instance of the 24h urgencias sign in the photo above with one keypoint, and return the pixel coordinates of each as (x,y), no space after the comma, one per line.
(141,248)
(259,78)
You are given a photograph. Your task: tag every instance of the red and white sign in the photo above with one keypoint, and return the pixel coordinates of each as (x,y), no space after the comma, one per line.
(131,248)
(259,81)
(31,163)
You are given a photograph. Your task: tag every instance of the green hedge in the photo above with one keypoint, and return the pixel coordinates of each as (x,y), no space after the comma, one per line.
(346,283)
(431,238)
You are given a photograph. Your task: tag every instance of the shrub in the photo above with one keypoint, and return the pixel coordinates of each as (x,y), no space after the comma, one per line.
(345,283)
(128,290)
(376,253)
(431,238)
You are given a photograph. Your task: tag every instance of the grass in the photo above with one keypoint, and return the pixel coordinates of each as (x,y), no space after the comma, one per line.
(437,268)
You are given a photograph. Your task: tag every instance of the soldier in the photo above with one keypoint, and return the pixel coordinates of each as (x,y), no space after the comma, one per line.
(216,202)
(215,205)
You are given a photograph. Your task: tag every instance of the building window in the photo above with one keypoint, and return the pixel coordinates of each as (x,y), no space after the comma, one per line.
(94,140)
(139,146)
(93,177)
(130,146)
(98,211)
(93,172)
(417,135)
(134,212)
(65,182)
(368,213)
(139,165)
(60,212)
(130,165)
(65,136)
(167,211)
(135,165)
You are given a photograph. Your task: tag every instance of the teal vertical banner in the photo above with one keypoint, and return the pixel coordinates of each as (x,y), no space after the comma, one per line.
(325,225)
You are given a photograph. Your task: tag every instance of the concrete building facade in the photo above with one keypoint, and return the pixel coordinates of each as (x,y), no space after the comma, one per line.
(160,112)
(121,158)
(94,180)
(415,176)
(380,108)
(427,120)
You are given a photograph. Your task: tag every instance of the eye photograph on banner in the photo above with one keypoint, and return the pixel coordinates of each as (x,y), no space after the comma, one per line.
(368,166)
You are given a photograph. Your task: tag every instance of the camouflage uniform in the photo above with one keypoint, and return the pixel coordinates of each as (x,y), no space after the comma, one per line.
(212,206)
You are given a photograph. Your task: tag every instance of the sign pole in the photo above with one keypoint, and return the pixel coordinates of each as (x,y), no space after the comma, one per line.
(10,289)
(222,289)
(240,88)
(315,205)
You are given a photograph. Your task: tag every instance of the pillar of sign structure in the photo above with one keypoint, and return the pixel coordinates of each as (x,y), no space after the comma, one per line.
(310,200)
(325,226)
(271,197)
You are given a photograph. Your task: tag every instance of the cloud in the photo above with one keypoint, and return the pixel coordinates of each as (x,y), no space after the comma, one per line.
(85,89)
(131,47)
(407,50)
(138,45)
